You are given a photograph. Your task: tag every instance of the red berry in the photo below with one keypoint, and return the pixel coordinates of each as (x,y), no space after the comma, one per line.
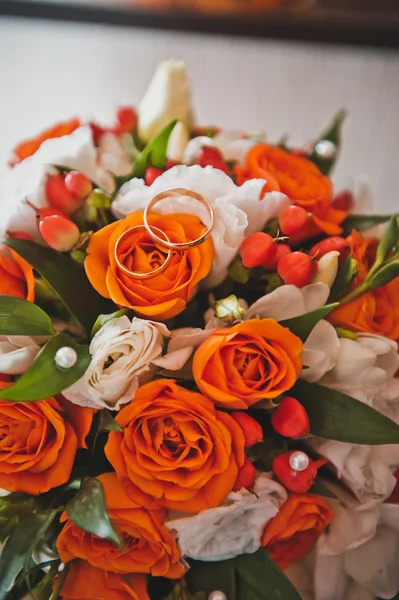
(295,481)
(151,175)
(78,185)
(246,476)
(211,156)
(97,131)
(59,196)
(127,120)
(343,201)
(277,253)
(59,232)
(255,249)
(19,235)
(171,163)
(328,245)
(292,218)
(251,429)
(296,268)
(290,419)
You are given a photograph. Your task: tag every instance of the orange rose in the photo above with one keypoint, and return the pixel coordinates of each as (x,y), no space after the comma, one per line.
(30,146)
(291,534)
(176,447)
(163,296)
(85,582)
(300,179)
(376,311)
(38,443)
(147,546)
(16,276)
(253,360)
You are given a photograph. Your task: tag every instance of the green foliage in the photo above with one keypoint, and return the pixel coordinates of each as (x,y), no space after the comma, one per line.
(237,271)
(336,416)
(13,509)
(44,378)
(102,319)
(20,317)
(346,274)
(362,222)
(331,134)
(303,325)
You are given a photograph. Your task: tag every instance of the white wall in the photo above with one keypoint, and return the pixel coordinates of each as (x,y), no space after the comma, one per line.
(51,71)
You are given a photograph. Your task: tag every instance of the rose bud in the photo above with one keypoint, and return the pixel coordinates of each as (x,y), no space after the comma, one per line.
(290,419)
(296,471)
(246,476)
(251,429)
(256,249)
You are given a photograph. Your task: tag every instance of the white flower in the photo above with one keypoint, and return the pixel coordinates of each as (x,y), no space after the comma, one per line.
(114,158)
(122,352)
(327,268)
(233,528)
(231,144)
(177,142)
(26,181)
(359,551)
(239,211)
(17,352)
(168,97)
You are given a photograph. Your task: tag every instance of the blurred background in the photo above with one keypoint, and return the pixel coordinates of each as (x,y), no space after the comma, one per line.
(281,66)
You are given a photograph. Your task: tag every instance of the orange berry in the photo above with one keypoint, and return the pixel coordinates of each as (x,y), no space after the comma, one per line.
(59,196)
(78,185)
(296,268)
(246,476)
(290,419)
(256,249)
(59,232)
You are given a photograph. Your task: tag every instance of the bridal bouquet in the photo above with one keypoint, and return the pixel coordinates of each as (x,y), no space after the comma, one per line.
(198,366)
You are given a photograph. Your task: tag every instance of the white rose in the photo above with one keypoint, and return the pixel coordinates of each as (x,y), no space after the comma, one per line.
(359,552)
(239,211)
(114,157)
(122,354)
(26,181)
(17,352)
(233,528)
(168,97)
(231,144)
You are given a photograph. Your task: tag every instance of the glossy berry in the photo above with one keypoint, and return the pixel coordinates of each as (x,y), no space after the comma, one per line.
(277,253)
(246,476)
(59,196)
(295,481)
(78,185)
(127,119)
(292,219)
(328,245)
(297,268)
(290,419)
(255,249)
(59,232)
(210,156)
(151,175)
(251,429)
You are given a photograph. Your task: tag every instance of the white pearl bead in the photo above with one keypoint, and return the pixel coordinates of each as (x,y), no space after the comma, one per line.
(65,357)
(217,595)
(326,149)
(299,461)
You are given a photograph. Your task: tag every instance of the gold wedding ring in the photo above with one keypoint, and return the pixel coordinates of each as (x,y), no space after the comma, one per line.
(164,249)
(179,192)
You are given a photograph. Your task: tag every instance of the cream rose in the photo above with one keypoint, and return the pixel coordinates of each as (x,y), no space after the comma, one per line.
(122,354)
(17,352)
(233,528)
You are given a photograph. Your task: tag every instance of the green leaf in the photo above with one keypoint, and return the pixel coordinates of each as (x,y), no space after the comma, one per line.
(362,222)
(383,275)
(106,422)
(320,489)
(237,271)
(263,579)
(207,577)
(102,319)
(87,510)
(44,378)
(346,274)
(13,509)
(336,416)
(155,151)
(332,134)
(66,278)
(388,241)
(303,325)
(20,317)
(20,545)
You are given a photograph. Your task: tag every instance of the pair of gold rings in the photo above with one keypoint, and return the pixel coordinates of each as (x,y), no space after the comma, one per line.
(162,241)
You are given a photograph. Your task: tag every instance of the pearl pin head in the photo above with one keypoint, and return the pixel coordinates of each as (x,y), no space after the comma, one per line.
(299,461)
(326,149)
(65,357)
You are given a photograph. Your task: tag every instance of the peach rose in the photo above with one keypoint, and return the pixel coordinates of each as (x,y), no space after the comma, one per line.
(16,276)
(291,534)
(161,297)
(85,582)
(176,447)
(298,178)
(147,546)
(376,311)
(253,360)
(29,147)
(38,443)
